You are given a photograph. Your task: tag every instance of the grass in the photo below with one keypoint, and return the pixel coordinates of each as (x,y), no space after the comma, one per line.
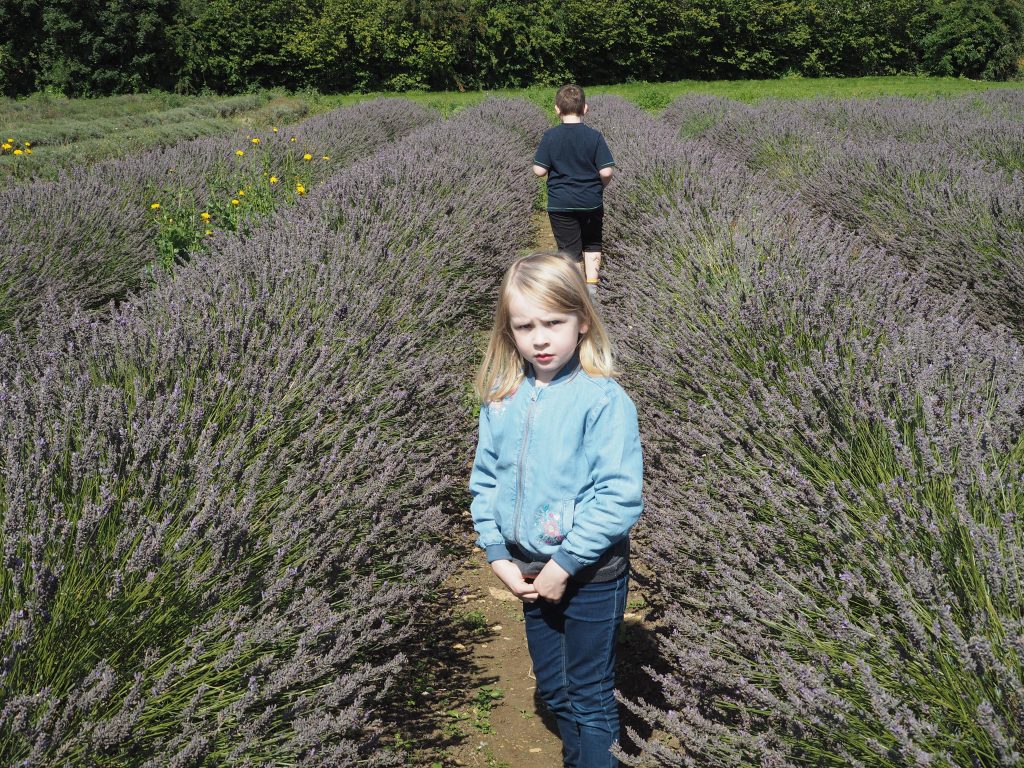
(656,96)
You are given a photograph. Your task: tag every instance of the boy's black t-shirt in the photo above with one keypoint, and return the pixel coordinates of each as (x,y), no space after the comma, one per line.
(573,153)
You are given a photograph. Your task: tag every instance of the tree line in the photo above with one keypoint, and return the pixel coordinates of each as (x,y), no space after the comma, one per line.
(92,47)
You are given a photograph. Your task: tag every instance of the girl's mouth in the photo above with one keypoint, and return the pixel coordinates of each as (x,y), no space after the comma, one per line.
(543,358)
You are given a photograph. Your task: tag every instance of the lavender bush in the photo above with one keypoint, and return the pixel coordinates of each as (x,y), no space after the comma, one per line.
(937,183)
(224,510)
(835,463)
(92,235)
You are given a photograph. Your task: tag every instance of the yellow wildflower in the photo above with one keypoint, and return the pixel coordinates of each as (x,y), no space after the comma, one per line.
(5,146)
(28,151)
(241,193)
(209,232)
(307,156)
(326,157)
(18,152)
(235,201)
(273,179)
(239,152)
(294,139)
(204,216)
(300,189)
(155,206)
(10,141)
(28,143)
(274,129)
(256,141)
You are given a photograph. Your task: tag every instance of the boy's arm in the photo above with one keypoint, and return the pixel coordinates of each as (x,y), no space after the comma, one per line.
(604,161)
(542,157)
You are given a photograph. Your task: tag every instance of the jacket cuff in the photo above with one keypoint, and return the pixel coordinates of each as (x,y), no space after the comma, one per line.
(497,552)
(568,562)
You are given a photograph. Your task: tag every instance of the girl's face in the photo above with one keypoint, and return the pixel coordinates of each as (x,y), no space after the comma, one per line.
(545,338)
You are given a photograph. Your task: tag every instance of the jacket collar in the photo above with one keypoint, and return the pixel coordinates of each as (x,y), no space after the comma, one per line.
(566,373)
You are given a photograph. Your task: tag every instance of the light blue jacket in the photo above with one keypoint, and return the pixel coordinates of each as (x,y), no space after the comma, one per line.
(558,470)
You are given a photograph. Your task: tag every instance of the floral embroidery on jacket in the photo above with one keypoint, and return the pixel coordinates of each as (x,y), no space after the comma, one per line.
(549,523)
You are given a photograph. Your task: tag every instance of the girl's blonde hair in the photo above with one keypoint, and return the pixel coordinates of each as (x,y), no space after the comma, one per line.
(556,283)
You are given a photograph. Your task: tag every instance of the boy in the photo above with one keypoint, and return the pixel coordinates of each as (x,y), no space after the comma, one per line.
(578,164)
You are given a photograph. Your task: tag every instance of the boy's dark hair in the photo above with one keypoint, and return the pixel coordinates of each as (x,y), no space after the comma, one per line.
(570,100)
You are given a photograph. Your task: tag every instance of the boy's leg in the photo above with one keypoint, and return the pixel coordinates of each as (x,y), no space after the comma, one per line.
(591,233)
(592,620)
(545,636)
(568,235)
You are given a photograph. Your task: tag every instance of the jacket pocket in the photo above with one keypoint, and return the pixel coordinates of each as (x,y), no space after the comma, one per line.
(553,521)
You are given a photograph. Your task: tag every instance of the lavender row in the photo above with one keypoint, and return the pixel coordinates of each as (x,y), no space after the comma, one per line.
(225,510)
(96,233)
(983,127)
(834,490)
(917,177)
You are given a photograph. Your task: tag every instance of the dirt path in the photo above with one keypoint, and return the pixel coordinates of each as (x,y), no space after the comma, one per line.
(497,723)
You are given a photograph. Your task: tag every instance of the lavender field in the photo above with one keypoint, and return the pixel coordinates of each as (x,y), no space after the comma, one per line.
(229,488)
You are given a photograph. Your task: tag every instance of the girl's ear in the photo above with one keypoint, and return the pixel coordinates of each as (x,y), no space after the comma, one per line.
(584,327)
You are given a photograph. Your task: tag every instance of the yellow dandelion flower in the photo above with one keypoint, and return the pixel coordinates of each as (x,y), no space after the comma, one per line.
(256,140)
(28,151)
(5,146)
(326,157)
(18,152)
(10,141)
(300,189)
(204,216)
(273,179)
(241,193)
(239,152)
(294,138)
(28,143)
(307,156)
(155,207)
(235,201)
(274,129)
(209,232)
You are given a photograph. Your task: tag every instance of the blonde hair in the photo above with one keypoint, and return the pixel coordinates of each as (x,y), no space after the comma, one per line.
(556,283)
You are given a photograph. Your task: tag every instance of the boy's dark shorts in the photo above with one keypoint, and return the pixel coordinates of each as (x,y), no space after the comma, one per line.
(577,231)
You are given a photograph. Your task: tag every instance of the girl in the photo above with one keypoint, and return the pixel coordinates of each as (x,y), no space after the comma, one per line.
(556,487)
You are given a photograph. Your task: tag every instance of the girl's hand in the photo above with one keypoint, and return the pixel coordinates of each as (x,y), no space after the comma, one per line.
(550,582)
(510,576)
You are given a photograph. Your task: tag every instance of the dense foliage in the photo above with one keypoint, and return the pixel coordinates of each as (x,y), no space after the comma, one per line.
(341,45)
(835,518)
(225,509)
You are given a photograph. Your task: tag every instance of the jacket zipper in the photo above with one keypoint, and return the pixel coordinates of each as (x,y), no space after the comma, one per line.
(522,460)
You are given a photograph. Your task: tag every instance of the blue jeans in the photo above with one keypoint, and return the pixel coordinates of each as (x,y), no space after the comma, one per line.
(572,644)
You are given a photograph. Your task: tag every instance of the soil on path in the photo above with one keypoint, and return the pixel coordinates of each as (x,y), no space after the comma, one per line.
(495,719)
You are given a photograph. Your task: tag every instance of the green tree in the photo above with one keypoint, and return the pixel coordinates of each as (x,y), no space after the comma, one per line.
(90,47)
(976,38)
(240,45)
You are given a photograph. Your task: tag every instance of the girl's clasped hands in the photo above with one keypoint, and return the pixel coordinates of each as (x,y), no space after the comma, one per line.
(549,584)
